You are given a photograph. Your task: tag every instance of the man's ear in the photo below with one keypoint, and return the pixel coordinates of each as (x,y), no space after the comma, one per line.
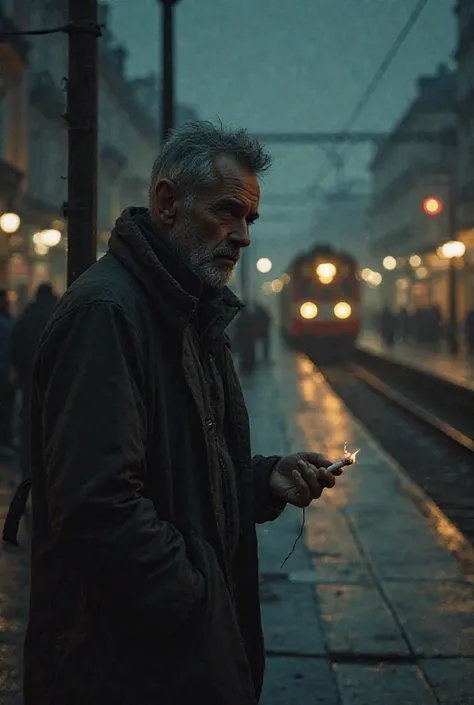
(165,202)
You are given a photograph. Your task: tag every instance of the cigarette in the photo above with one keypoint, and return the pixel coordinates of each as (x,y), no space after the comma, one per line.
(349,459)
(340,464)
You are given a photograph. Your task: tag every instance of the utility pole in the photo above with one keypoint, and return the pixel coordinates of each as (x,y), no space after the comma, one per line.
(81,119)
(167,101)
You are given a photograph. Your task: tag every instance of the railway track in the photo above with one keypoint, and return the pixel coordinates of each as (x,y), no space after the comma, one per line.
(425,423)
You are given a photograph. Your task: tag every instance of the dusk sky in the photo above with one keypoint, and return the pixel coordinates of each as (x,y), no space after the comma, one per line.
(290,65)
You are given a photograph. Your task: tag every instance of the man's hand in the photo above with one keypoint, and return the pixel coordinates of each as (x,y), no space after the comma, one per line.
(302,477)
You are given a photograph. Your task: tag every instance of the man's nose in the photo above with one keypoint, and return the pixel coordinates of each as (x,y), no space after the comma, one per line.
(240,237)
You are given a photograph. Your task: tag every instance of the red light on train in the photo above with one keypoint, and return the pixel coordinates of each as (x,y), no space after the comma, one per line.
(432,206)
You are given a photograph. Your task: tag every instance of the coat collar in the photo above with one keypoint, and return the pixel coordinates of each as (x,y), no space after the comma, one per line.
(171,287)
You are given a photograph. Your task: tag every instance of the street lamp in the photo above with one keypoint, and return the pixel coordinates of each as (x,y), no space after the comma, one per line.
(47,238)
(389,263)
(264,265)
(452,250)
(10,222)
(167,97)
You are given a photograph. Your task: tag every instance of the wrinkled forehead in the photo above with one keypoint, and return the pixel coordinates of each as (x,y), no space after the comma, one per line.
(234,178)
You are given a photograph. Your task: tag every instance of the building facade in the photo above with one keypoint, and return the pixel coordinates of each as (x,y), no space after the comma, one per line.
(14,61)
(33,141)
(405,176)
(465,174)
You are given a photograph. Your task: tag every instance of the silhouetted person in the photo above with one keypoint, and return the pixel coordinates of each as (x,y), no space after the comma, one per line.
(26,335)
(469,331)
(387,326)
(7,390)
(263,329)
(404,323)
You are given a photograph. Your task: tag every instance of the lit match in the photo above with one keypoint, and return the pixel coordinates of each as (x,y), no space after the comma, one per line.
(349,459)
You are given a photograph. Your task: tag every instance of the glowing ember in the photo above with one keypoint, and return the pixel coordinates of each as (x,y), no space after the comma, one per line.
(349,459)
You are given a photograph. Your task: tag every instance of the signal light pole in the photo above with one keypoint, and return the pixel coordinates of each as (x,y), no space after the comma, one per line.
(167,95)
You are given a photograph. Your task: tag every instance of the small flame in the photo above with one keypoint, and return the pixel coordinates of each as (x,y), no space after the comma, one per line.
(354,456)
(350,456)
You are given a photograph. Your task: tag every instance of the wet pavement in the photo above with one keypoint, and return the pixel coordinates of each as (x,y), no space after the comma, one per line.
(455,369)
(376,604)
(14,585)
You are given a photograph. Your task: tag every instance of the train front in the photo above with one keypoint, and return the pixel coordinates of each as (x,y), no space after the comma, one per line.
(322,308)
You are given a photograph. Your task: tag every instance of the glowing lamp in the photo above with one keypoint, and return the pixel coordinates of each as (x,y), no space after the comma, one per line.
(308,310)
(389,263)
(10,222)
(264,265)
(432,206)
(452,249)
(342,310)
(48,238)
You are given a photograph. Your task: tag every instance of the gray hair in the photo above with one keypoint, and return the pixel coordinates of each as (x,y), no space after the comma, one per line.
(188,153)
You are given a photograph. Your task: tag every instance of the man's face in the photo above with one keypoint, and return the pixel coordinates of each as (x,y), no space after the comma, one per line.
(210,233)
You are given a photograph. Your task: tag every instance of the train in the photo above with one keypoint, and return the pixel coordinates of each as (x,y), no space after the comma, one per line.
(321,303)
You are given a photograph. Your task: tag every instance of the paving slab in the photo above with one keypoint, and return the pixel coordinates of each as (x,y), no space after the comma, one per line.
(438,618)
(356,621)
(335,555)
(383,684)
(276,541)
(290,619)
(292,681)
(452,680)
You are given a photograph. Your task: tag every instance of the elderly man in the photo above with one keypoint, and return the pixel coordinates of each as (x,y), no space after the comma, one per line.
(144,581)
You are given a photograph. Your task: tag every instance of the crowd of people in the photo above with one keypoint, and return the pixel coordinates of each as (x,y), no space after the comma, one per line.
(19,340)
(423,326)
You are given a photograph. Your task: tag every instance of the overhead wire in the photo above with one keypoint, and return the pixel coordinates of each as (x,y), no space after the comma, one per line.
(376,80)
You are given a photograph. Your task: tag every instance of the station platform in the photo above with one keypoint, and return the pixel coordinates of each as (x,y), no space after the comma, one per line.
(457,370)
(376,604)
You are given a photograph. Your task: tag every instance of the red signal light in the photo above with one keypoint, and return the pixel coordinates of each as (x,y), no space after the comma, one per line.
(432,206)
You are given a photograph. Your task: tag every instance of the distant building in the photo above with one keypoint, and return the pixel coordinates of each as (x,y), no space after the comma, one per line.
(465,173)
(404,175)
(33,139)
(465,95)
(14,59)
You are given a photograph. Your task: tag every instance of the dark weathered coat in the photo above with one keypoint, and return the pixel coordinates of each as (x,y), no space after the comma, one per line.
(135,598)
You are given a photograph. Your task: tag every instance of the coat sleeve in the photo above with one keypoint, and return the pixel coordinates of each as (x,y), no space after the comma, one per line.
(91,386)
(267,507)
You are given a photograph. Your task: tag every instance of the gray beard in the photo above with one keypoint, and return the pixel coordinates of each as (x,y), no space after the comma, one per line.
(199,257)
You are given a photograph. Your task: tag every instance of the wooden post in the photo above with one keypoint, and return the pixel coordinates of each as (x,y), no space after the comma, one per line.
(81,118)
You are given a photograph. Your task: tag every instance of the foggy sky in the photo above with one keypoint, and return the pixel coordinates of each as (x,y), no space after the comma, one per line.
(290,65)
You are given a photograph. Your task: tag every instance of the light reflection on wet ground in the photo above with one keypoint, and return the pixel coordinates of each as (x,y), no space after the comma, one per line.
(384,562)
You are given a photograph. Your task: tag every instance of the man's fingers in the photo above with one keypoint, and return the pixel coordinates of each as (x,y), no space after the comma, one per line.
(317,459)
(310,475)
(325,478)
(304,491)
(339,471)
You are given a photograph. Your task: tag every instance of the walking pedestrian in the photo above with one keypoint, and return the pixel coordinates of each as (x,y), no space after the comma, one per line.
(144,571)
(26,335)
(7,389)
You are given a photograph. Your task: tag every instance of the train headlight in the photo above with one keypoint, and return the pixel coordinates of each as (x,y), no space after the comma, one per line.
(308,310)
(326,271)
(342,310)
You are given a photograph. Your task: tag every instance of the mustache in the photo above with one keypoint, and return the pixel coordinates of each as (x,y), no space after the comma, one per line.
(231,254)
